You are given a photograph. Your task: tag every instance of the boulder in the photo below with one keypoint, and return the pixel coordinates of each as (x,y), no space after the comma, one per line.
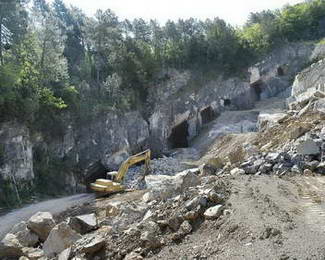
(83,224)
(149,215)
(61,237)
(312,165)
(237,171)
(24,235)
(34,253)
(185,228)
(150,240)
(163,186)
(121,214)
(10,246)
(133,256)
(147,197)
(90,244)
(296,169)
(297,132)
(65,254)
(41,223)
(194,203)
(272,157)
(213,212)
(321,168)
(149,235)
(308,172)
(208,169)
(266,168)
(308,147)
(213,196)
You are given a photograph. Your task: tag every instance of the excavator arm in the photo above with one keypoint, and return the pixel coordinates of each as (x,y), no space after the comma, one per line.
(143,156)
(104,186)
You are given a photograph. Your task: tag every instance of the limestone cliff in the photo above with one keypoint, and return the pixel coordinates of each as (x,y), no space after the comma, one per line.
(178,107)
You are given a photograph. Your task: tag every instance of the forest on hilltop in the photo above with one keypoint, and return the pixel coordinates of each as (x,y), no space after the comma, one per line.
(53,58)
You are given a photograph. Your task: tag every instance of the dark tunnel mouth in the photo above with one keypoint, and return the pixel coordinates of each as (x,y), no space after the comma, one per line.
(94,172)
(227,102)
(179,135)
(280,71)
(258,90)
(208,115)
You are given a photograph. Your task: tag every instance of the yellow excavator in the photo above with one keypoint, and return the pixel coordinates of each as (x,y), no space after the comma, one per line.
(113,184)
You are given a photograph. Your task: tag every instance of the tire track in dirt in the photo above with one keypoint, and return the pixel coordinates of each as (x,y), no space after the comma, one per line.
(312,201)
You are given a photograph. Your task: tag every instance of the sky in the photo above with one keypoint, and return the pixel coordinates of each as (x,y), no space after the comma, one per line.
(233,11)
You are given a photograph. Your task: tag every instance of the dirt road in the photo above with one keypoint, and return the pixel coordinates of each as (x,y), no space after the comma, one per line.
(269,218)
(54,206)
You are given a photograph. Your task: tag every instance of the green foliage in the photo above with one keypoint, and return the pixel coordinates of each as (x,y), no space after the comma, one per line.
(65,61)
(254,38)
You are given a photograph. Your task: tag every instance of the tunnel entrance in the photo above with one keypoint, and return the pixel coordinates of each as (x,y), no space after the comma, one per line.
(178,137)
(258,89)
(227,102)
(95,171)
(280,71)
(207,115)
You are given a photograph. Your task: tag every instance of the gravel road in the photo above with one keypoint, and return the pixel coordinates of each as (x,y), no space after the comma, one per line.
(54,206)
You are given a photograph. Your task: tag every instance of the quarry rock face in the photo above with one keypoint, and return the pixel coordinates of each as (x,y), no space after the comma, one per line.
(111,139)
(175,115)
(16,158)
(273,75)
(309,81)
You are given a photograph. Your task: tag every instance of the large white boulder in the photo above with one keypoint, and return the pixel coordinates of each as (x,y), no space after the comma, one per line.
(213,212)
(163,186)
(10,246)
(41,223)
(62,236)
(25,236)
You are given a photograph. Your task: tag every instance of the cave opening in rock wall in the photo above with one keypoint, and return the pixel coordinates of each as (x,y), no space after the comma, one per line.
(258,90)
(179,135)
(207,115)
(94,172)
(280,71)
(227,102)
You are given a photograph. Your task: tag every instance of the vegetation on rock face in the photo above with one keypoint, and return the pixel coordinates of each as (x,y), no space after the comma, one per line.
(54,58)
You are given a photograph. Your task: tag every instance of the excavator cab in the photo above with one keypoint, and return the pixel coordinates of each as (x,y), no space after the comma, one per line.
(113,181)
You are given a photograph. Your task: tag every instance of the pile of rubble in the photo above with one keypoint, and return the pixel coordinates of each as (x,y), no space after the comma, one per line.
(123,229)
(42,238)
(295,144)
(160,166)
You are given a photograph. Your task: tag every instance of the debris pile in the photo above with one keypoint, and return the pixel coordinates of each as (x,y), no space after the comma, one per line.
(169,166)
(123,229)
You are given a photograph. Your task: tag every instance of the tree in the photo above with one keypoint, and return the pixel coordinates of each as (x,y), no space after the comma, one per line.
(13,24)
(72,23)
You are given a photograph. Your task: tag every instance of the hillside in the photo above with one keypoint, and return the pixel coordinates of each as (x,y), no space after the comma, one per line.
(234,119)
(79,94)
